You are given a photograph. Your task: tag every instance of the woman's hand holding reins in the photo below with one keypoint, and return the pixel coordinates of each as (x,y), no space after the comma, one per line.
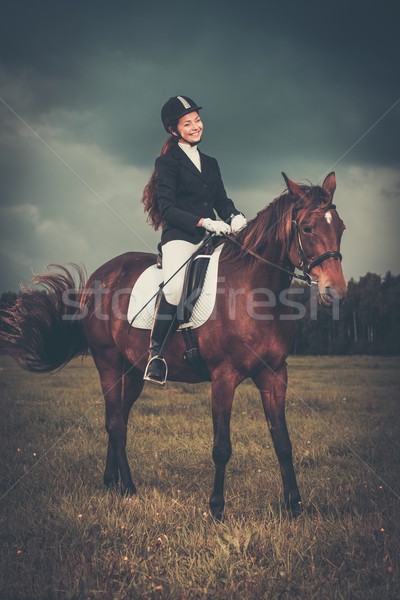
(218,227)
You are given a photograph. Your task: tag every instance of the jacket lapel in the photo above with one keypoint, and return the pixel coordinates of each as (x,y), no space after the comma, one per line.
(181,157)
(207,167)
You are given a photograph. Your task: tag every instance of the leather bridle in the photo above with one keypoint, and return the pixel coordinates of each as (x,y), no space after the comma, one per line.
(304,263)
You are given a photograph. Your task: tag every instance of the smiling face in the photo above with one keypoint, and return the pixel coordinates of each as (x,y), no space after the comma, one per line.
(190,128)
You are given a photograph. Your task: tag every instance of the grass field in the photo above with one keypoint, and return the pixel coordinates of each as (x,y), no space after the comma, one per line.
(64,536)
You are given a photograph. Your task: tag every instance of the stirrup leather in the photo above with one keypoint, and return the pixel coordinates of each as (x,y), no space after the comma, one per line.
(147,377)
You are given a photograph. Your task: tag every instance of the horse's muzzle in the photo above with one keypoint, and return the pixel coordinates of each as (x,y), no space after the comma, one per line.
(329,296)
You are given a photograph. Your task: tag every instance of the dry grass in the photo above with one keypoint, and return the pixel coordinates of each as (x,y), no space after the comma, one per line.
(64,536)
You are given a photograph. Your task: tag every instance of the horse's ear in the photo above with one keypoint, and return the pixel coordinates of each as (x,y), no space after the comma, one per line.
(329,184)
(293,187)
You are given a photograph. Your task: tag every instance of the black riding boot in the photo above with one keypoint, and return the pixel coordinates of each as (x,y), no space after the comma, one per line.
(164,325)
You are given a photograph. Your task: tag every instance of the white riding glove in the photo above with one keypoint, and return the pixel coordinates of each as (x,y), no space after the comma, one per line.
(218,227)
(238,223)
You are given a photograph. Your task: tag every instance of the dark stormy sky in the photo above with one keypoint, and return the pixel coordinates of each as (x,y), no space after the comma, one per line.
(301,87)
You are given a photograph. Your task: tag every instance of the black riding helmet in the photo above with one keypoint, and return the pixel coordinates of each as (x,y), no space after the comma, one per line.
(175,108)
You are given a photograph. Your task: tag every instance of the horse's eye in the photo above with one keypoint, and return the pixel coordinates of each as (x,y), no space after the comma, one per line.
(307,229)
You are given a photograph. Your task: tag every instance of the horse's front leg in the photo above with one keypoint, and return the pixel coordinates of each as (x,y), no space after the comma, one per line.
(222,391)
(272,386)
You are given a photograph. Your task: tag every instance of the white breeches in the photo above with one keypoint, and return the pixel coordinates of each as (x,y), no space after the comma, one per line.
(174,254)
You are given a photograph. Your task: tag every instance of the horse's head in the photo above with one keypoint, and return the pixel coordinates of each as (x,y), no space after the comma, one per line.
(315,239)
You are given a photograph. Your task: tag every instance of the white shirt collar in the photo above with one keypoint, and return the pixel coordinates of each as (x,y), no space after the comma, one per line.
(187,148)
(192,153)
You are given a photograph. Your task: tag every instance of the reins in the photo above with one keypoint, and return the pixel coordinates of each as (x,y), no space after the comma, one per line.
(304,263)
(305,277)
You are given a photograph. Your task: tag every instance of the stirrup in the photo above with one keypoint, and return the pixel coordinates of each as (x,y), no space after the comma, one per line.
(147,377)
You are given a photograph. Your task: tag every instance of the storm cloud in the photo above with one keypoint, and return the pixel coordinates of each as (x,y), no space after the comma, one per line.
(299,87)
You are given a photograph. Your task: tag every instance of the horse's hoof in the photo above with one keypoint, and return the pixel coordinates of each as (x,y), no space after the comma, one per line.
(217,512)
(217,515)
(295,508)
(129,490)
(111,482)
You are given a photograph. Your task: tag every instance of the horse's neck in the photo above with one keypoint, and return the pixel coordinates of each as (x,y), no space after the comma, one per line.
(270,263)
(262,275)
(268,275)
(272,253)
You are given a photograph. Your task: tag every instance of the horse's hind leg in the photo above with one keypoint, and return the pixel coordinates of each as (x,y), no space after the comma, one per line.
(272,386)
(132,385)
(121,387)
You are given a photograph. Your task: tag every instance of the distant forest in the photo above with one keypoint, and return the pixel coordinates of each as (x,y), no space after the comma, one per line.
(366,322)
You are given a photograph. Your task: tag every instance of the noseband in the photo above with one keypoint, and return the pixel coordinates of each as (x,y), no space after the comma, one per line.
(304,263)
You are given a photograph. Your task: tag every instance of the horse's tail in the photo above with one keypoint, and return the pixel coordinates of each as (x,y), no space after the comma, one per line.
(43,330)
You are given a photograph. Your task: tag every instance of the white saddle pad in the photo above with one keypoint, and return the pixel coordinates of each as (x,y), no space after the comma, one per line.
(148,284)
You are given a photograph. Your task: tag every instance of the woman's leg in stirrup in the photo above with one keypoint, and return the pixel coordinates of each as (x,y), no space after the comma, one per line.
(174,254)
(164,325)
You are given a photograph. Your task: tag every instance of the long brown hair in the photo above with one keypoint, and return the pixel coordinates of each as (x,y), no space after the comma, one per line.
(149,197)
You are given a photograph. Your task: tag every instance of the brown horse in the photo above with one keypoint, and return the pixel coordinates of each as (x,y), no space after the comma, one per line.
(250,336)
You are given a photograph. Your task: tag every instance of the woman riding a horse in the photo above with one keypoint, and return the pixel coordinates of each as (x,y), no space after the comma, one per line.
(183,192)
(300,229)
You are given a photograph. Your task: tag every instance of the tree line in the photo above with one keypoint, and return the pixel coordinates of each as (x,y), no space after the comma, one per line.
(366,322)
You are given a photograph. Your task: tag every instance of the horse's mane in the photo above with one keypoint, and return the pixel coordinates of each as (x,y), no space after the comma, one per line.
(272,226)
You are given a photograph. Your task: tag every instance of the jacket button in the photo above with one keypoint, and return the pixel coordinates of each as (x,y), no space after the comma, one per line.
(204,185)
(205,203)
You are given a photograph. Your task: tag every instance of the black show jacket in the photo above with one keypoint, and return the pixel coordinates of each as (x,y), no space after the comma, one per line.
(184,195)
